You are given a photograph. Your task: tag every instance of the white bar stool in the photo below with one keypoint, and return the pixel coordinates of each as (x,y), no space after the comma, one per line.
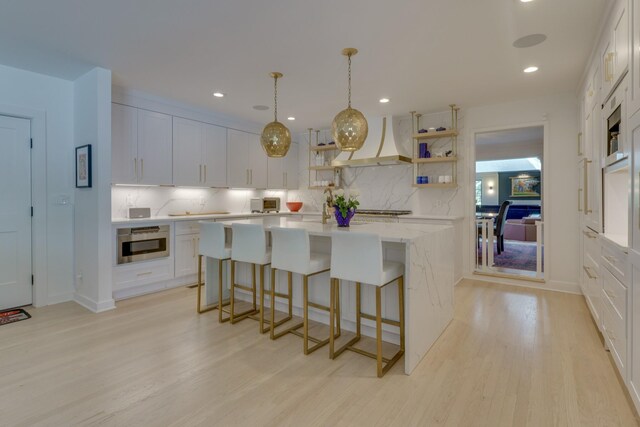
(249,244)
(358,257)
(213,245)
(291,252)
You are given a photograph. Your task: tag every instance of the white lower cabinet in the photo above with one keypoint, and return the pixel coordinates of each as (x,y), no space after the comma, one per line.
(614,319)
(186,254)
(143,273)
(634,336)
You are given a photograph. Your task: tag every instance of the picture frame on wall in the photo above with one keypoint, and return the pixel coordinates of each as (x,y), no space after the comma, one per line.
(83,166)
(525,186)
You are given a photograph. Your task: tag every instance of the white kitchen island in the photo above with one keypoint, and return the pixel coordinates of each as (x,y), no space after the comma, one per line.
(427,253)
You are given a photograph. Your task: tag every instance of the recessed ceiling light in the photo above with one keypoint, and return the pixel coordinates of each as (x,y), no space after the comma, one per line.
(384,100)
(260,107)
(529,41)
(532,69)
(525,1)
(218,94)
(291,118)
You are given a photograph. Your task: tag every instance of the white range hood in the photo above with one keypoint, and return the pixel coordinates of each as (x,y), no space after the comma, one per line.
(379,149)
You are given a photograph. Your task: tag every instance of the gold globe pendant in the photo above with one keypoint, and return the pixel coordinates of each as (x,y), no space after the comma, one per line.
(350,128)
(275,138)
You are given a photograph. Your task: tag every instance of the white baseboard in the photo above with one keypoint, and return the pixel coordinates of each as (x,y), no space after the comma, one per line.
(551,285)
(57,299)
(91,305)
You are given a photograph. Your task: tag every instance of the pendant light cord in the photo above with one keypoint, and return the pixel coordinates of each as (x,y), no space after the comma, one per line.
(349,81)
(275,99)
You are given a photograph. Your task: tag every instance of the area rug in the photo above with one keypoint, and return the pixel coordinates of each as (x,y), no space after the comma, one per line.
(516,255)
(13,315)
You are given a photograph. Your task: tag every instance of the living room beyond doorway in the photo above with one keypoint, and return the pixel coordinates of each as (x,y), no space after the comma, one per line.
(508,199)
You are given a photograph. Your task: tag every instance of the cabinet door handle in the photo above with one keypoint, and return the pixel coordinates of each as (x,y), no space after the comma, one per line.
(579,200)
(588,271)
(247,177)
(205,173)
(586,187)
(141,168)
(611,336)
(580,144)
(146,273)
(251,176)
(135,166)
(590,234)
(200,174)
(609,258)
(610,57)
(610,294)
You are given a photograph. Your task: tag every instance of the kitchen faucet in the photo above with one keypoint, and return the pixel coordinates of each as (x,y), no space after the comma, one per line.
(327,205)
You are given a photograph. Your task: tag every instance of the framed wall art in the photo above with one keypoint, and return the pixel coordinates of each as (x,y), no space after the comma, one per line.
(83,166)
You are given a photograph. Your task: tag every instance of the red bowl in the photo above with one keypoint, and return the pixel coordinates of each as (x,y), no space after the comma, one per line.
(294,206)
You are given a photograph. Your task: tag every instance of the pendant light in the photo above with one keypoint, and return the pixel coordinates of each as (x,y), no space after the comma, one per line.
(275,137)
(349,127)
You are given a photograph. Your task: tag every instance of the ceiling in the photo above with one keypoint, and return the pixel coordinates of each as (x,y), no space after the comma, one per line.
(511,136)
(422,54)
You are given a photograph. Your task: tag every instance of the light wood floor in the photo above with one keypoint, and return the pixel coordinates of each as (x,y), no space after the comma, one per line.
(511,356)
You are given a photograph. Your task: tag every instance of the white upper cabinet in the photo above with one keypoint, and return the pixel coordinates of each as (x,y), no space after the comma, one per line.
(140,146)
(634,104)
(291,167)
(187,150)
(283,171)
(199,154)
(238,159)
(276,178)
(615,54)
(214,156)
(257,162)
(124,144)
(154,148)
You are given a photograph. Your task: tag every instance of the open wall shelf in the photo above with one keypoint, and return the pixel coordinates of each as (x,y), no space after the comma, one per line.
(445,140)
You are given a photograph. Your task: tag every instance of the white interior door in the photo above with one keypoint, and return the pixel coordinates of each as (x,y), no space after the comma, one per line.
(15,212)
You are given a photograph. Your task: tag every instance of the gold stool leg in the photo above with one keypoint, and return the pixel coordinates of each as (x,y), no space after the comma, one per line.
(332,303)
(401,310)
(338,313)
(232,291)
(262,329)
(272,331)
(305,315)
(220,293)
(290,290)
(253,284)
(379,329)
(358,309)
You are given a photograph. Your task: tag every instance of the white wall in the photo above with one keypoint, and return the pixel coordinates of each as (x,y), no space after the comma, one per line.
(93,240)
(560,113)
(489,179)
(52,98)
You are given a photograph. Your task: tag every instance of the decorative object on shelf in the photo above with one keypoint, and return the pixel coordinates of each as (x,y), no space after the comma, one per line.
(294,206)
(350,128)
(275,138)
(344,207)
(83,166)
(423,131)
(441,129)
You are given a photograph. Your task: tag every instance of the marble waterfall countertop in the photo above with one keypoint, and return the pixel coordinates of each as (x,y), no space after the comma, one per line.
(426,250)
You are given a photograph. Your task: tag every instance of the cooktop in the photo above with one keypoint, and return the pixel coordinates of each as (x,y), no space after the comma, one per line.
(381,212)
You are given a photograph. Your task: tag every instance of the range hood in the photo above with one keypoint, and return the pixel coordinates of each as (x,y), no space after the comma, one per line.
(379,149)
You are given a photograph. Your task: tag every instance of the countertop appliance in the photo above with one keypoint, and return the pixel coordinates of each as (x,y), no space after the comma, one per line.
(266,204)
(142,243)
(139,212)
(378,215)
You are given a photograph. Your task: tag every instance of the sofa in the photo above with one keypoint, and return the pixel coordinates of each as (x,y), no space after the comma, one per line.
(523,229)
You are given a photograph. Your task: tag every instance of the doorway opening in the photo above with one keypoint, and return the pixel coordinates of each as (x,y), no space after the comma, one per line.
(508,202)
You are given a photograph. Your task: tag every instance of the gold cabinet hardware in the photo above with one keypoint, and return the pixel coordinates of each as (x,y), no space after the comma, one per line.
(590,234)
(579,199)
(610,294)
(586,186)
(589,273)
(205,174)
(146,273)
(200,176)
(580,144)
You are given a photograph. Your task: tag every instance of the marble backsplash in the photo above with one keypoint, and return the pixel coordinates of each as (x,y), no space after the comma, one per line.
(390,187)
(166,200)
